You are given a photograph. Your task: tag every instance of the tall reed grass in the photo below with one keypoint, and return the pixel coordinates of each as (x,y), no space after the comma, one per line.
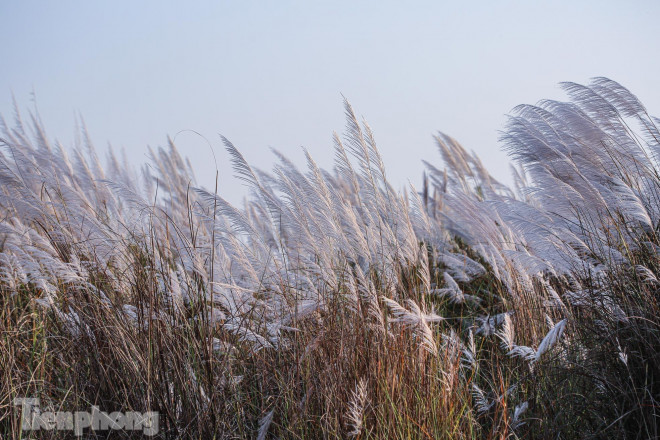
(332,305)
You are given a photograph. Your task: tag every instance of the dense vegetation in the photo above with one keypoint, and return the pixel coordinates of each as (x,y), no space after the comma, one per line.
(332,305)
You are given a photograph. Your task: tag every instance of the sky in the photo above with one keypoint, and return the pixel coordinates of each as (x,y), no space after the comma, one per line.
(273,74)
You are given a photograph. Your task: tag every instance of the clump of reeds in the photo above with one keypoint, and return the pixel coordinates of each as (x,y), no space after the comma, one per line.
(332,305)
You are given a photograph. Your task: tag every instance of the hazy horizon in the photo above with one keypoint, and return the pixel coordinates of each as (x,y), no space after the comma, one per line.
(273,75)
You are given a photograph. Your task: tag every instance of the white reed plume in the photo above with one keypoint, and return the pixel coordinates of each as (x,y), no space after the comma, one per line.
(356,408)
(416,319)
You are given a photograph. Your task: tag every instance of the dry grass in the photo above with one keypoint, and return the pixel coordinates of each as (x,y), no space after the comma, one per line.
(332,306)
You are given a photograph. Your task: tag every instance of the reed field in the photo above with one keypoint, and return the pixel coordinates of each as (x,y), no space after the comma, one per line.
(332,305)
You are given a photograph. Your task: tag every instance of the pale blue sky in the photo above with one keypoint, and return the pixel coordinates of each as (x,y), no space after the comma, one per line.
(271,73)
